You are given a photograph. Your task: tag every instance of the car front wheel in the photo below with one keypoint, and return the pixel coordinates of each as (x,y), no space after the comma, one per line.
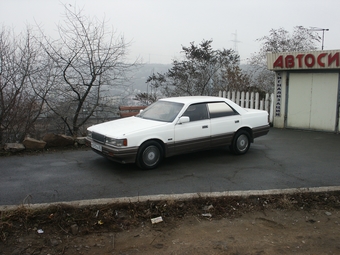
(149,155)
(241,142)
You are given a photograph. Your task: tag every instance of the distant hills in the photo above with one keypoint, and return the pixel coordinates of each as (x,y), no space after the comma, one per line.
(141,75)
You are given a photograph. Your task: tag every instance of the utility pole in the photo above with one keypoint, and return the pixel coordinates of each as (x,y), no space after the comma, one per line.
(235,41)
(323,33)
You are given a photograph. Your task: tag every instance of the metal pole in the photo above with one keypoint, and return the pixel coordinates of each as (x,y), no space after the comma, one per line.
(323,34)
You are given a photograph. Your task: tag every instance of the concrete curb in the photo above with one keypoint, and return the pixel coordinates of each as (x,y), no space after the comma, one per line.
(187,196)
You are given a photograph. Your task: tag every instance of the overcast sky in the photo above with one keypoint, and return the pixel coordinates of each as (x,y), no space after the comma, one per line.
(159,28)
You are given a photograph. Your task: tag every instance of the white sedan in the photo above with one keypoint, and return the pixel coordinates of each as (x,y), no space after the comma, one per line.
(178,125)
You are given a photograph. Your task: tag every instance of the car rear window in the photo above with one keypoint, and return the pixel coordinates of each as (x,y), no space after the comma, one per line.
(220,109)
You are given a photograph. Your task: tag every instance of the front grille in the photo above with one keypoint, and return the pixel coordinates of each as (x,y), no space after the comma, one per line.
(98,137)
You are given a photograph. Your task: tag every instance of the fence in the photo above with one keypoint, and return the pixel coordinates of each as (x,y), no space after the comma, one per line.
(251,100)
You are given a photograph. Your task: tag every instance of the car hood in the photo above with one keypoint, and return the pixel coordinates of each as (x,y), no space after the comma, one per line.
(122,127)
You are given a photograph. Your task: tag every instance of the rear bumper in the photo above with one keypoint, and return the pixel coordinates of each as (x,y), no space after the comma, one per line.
(260,131)
(117,154)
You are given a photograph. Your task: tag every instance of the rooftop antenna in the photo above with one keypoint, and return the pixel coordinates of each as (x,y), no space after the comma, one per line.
(323,33)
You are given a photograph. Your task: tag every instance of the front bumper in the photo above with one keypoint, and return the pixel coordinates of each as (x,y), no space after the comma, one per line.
(117,154)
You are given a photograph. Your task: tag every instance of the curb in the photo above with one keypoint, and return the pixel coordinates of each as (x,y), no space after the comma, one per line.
(186,196)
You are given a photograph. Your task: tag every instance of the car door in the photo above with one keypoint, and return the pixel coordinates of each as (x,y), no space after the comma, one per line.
(195,134)
(225,121)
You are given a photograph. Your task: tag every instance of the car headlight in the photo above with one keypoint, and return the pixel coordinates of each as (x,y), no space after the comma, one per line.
(115,142)
(89,134)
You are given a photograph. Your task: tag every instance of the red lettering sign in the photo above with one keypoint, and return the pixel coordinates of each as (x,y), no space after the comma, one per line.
(319,59)
(289,61)
(309,60)
(299,57)
(279,62)
(335,58)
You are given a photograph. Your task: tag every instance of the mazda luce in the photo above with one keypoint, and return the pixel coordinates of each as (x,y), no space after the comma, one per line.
(178,125)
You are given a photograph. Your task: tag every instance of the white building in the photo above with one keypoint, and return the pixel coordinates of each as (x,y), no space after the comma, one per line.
(307,89)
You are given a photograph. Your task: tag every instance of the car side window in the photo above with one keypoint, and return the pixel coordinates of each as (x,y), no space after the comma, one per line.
(197,112)
(220,109)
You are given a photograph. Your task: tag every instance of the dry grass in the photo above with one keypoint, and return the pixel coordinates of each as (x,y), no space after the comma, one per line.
(117,217)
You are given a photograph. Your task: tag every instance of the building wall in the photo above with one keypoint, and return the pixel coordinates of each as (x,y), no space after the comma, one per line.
(280,99)
(307,89)
(312,101)
(307,100)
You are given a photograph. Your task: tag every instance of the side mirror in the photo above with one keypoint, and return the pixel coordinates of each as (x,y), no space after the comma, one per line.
(183,119)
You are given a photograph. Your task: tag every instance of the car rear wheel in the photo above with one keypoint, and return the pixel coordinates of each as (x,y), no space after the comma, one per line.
(149,155)
(241,142)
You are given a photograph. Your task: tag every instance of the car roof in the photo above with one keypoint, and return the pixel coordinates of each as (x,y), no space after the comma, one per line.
(194,99)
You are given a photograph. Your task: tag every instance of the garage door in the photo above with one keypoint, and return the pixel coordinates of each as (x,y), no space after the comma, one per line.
(312,101)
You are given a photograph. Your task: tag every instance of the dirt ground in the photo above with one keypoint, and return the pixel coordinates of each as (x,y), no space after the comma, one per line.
(304,223)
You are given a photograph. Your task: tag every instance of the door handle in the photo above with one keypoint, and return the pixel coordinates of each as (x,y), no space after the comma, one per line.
(237,121)
(206,126)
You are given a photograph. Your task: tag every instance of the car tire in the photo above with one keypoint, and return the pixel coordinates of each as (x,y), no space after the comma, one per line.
(150,155)
(241,142)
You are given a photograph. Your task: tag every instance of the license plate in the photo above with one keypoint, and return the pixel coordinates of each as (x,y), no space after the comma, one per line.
(96,146)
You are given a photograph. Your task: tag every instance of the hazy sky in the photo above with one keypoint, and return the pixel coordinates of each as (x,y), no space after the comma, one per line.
(159,28)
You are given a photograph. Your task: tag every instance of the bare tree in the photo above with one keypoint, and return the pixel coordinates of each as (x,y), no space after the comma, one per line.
(19,105)
(87,60)
(278,40)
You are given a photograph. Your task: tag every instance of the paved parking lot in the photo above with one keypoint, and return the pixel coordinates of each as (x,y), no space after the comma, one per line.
(282,159)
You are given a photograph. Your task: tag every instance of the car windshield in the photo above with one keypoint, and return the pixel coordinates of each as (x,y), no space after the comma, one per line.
(161,111)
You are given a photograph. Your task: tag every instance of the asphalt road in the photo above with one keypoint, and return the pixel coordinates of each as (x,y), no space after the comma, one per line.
(282,159)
